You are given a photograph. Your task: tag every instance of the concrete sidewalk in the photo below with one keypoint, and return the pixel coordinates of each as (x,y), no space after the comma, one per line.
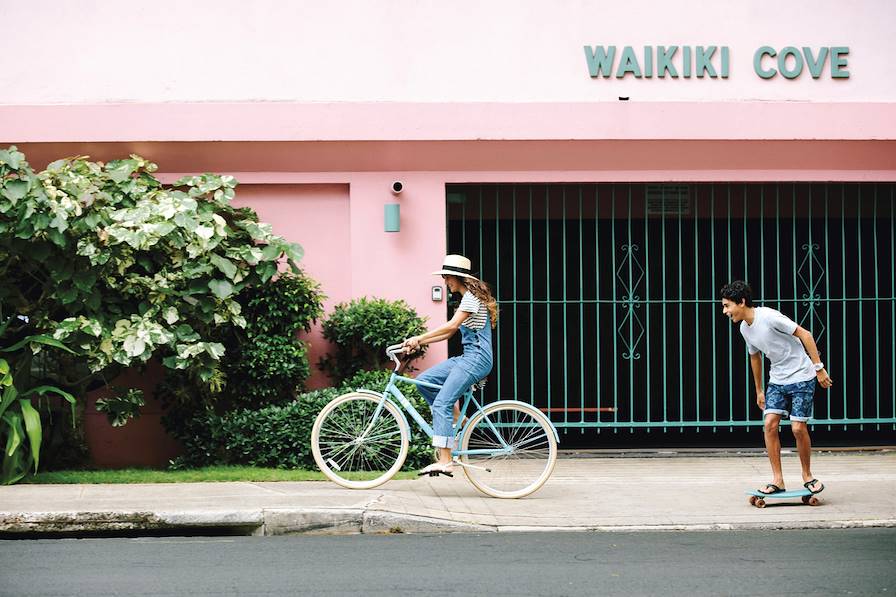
(584,493)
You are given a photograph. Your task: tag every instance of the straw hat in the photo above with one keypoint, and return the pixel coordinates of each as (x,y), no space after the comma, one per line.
(456,265)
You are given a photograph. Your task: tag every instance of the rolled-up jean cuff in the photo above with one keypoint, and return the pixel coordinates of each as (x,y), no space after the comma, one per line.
(440,441)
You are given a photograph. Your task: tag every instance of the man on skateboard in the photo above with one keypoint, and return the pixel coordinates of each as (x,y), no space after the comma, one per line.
(795,368)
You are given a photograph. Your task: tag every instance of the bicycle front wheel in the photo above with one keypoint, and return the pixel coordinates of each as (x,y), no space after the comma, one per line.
(352,448)
(514,449)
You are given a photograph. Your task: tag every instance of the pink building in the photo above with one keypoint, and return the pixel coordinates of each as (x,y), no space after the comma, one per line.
(606,166)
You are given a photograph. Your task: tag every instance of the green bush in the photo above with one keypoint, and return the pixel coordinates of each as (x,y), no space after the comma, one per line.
(264,364)
(287,304)
(201,437)
(361,330)
(268,364)
(273,436)
(279,436)
(269,370)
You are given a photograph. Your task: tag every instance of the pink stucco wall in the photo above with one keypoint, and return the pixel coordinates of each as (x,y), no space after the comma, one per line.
(329,123)
(420,50)
(317,217)
(340,228)
(317,107)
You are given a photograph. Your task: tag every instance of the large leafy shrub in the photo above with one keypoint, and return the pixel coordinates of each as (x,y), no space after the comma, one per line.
(361,330)
(265,363)
(119,268)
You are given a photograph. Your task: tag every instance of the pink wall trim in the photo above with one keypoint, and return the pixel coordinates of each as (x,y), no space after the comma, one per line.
(287,121)
(499,161)
(582,176)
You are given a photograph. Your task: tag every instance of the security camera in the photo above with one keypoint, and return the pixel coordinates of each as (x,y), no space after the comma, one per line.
(397,187)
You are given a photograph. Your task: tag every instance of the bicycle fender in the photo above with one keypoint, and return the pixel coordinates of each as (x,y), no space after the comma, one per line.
(520,402)
(404,419)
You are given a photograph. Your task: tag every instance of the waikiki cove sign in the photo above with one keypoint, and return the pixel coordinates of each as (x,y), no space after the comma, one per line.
(713,62)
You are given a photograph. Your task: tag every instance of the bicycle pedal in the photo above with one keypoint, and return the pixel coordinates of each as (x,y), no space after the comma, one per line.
(435,474)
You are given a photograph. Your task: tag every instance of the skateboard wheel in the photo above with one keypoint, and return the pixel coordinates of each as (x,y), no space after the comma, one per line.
(814,501)
(753,499)
(806,499)
(760,503)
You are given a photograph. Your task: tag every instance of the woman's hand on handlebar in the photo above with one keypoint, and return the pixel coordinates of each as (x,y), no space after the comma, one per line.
(412,343)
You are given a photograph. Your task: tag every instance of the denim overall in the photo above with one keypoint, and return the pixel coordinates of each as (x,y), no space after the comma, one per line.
(456,375)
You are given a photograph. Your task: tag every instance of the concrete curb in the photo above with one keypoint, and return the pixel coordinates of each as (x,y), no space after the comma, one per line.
(116,521)
(323,521)
(346,521)
(267,522)
(737,526)
(382,521)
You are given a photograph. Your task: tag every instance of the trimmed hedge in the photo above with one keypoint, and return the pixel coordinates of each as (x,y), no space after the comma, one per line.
(361,330)
(279,436)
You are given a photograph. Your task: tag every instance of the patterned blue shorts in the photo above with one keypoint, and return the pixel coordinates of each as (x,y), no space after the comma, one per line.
(793,400)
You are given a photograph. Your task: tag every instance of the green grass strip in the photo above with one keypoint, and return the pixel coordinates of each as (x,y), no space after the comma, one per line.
(199,475)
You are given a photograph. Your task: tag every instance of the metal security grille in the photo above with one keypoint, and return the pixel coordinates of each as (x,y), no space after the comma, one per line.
(610,315)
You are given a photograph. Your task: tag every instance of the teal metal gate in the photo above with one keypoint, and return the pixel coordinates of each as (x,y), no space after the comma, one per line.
(610,316)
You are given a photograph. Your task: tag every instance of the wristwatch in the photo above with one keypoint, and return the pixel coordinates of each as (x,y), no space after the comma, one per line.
(818,366)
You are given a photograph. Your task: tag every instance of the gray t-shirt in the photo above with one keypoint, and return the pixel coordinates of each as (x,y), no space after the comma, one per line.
(772,334)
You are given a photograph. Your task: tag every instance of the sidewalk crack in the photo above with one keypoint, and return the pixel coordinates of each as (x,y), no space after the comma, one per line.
(373,501)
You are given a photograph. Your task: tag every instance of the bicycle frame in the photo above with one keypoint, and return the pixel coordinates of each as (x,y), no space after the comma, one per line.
(393,390)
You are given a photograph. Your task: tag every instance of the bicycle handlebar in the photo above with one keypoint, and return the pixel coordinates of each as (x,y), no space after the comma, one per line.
(392,351)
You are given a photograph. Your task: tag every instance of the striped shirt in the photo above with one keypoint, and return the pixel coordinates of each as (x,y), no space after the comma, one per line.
(478,312)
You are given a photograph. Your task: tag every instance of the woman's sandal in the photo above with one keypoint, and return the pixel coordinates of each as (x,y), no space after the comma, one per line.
(437,468)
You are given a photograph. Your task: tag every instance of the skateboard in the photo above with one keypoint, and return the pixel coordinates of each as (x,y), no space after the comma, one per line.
(758,499)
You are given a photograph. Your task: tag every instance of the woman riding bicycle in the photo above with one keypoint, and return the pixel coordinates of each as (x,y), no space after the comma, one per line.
(475,317)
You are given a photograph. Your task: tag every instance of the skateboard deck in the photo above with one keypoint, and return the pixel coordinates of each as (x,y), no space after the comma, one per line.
(759,499)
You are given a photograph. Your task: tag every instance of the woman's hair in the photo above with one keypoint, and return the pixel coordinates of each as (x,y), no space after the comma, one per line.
(737,292)
(481,291)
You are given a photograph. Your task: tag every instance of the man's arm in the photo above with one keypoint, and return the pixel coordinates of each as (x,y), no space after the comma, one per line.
(756,366)
(805,336)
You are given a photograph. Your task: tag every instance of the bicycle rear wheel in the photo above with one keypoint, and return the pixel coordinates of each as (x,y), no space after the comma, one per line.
(352,449)
(524,465)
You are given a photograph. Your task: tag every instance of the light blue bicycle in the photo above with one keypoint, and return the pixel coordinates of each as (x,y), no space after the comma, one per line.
(507,448)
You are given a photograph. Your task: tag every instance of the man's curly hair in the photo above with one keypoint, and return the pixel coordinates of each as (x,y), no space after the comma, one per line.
(737,292)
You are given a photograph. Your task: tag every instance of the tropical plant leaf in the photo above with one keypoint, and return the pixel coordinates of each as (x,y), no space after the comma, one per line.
(221,288)
(39,339)
(32,429)
(9,394)
(14,440)
(41,390)
(13,468)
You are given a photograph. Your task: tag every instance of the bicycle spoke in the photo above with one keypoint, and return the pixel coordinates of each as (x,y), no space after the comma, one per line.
(519,451)
(348,441)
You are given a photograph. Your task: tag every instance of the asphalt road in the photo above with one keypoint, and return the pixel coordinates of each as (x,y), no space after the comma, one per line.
(815,562)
